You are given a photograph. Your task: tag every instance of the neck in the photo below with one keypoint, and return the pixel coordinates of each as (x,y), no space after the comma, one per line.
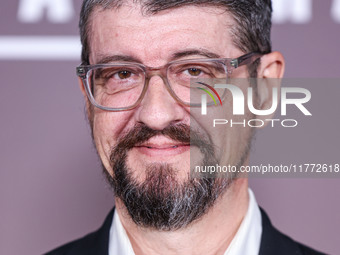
(209,235)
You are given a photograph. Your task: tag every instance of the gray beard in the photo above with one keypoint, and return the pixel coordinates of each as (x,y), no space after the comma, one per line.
(161,201)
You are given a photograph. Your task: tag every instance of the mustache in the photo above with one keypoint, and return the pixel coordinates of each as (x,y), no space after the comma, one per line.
(141,133)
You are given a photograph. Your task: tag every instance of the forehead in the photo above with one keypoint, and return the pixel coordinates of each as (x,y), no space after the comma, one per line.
(153,39)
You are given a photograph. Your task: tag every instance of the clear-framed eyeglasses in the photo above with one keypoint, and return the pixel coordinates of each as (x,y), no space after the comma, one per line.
(121,86)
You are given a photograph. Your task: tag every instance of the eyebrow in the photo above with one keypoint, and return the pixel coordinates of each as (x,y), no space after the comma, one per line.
(192,52)
(115,58)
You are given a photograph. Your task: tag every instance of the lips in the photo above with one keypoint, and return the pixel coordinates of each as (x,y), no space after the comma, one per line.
(162,146)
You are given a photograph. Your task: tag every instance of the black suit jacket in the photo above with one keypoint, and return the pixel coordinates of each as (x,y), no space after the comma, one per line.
(272,242)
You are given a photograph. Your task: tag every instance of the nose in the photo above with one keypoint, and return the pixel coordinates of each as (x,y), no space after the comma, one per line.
(158,108)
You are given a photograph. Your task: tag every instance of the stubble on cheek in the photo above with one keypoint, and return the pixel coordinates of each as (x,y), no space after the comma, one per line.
(105,129)
(231,142)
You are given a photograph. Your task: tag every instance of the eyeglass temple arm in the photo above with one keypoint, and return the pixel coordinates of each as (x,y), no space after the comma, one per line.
(245,59)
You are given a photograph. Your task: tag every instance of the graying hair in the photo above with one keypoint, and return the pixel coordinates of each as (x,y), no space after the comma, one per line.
(252,19)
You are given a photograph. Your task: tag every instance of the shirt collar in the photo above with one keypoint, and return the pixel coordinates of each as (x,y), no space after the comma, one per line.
(119,242)
(248,237)
(246,241)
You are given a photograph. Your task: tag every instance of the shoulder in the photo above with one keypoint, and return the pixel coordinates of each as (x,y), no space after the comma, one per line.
(79,246)
(275,242)
(94,243)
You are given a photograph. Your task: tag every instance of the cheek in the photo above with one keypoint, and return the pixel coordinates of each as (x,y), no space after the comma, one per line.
(107,127)
(230,140)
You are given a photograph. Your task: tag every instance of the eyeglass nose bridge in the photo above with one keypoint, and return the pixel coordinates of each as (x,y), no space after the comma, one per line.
(162,73)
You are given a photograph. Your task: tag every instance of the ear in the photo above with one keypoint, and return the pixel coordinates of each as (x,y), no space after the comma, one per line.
(272,66)
(82,87)
(270,72)
(83,91)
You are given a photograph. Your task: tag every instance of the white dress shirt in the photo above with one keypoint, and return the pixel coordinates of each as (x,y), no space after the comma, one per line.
(246,241)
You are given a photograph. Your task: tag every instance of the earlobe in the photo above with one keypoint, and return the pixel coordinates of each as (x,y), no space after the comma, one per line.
(268,93)
(82,87)
(87,102)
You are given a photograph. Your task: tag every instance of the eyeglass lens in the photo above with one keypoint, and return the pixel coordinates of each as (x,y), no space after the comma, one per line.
(122,86)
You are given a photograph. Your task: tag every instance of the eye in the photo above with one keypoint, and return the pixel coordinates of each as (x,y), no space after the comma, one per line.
(124,74)
(194,71)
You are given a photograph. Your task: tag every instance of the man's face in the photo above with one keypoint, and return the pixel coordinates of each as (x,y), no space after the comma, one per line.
(183,33)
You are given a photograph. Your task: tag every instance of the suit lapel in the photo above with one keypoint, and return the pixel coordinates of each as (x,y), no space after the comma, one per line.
(100,241)
(274,242)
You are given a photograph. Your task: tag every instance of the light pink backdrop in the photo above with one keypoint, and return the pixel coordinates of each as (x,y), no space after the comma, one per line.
(51,186)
